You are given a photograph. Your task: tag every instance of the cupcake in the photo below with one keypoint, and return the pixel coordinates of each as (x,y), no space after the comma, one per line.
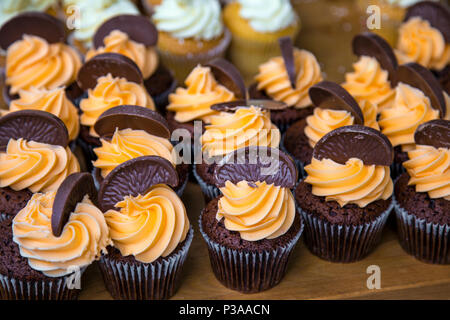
(149,228)
(71,232)
(255,27)
(422,195)
(234,128)
(287,78)
(128,132)
(109,80)
(135,37)
(191,32)
(418,99)
(346,198)
(252,229)
(34,157)
(334,108)
(373,76)
(36,55)
(91,15)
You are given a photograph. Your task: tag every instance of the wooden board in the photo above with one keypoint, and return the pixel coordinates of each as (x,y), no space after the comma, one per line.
(308,277)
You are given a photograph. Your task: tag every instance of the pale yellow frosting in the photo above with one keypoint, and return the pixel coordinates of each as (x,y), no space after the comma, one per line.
(33,62)
(410,109)
(54,101)
(369,82)
(84,237)
(245,127)
(429,170)
(40,167)
(274,80)
(146,58)
(419,42)
(352,182)
(261,211)
(128,144)
(201,92)
(148,226)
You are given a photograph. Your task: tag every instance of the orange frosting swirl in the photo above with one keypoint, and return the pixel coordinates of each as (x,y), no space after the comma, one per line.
(369,82)
(245,127)
(146,58)
(129,144)
(201,92)
(419,42)
(33,62)
(84,237)
(36,166)
(370,112)
(111,92)
(54,101)
(148,226)
(352,182)
(274,80)
(410,109)
(429,169)
(262,212)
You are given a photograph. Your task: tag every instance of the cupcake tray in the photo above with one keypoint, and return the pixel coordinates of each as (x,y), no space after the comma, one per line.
(308,277)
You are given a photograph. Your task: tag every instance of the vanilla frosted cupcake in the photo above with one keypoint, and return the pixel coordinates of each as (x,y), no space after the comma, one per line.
(9,8)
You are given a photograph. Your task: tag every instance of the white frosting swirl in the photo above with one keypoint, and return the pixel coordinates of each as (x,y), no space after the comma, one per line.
(405,3)
(9,8)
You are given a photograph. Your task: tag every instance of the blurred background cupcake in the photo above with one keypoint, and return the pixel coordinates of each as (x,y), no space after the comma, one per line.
(191,32)
(9,8)
(255,27)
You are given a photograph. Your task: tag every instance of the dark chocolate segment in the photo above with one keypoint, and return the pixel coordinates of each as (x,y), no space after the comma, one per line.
(32,23)
(421,78)
(135,177)
(33,125)
(138,28)
(330,95)
(356,141)
(131,117)
(372,45)
(116,64)
(287,52)
(435,13)
(231,106)
(226,74)
(71,191)
(253,164)
(434,133)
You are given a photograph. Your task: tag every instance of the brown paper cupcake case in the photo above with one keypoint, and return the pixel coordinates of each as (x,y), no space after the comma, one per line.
(426,241)
(145,281)
(249,272)
(338,243)
(209,191)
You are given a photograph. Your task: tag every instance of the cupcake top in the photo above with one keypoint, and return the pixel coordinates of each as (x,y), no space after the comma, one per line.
(54,101)
(34,154)
(185,19)
(405,3)
(83,237)
(246,126)
(350,165)
(9,8)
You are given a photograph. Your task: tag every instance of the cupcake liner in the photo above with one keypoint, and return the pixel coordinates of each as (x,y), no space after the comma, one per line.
(341,243)
(4,216)
(300,166)
(182,65)
(428,242)
(252,271)
(145,281)
(209,191)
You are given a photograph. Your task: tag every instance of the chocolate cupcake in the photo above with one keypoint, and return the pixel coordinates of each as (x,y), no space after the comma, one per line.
(418,99)
(128,132)
(109,80)
(149,228)
(422,195)
(25,37)
(346,198)
(240,124)
(252,229)
(287,78)
(334,108)
(71,232)
(135,37)
(34,157)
